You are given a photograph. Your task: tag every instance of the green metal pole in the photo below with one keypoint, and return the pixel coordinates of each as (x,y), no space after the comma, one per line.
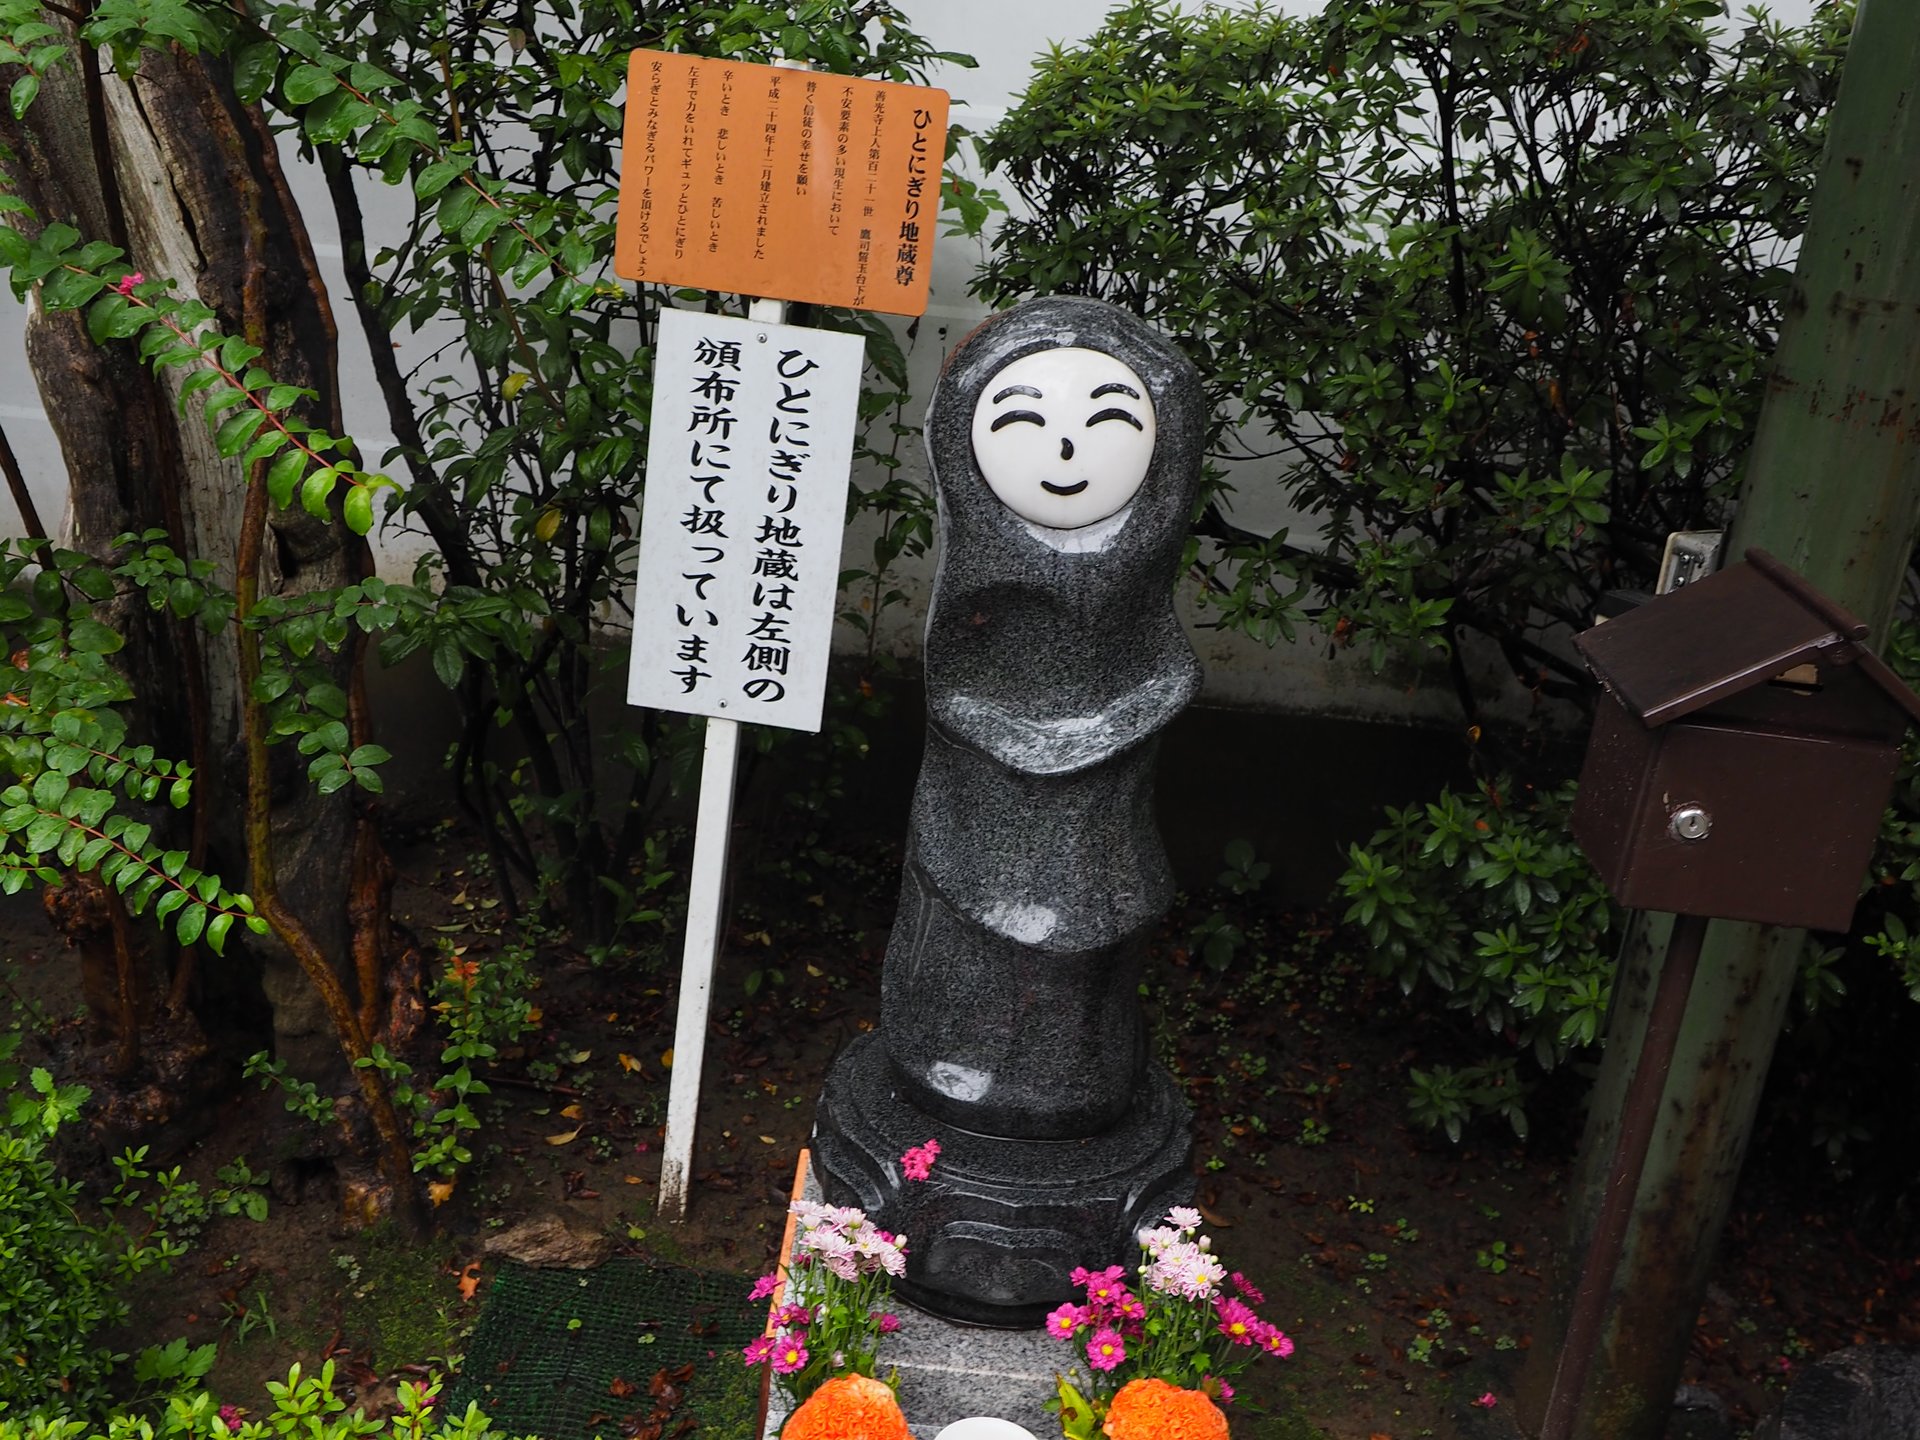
(1833,489)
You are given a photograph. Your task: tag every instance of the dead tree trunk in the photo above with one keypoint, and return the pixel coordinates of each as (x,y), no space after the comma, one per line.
(172,168)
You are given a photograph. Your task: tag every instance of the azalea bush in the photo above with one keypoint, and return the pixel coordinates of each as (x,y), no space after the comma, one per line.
(1481,896)
(1189,1324)
(302,1404)
(833,1311)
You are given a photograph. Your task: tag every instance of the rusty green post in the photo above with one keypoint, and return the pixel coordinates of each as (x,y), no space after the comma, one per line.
(1832,489)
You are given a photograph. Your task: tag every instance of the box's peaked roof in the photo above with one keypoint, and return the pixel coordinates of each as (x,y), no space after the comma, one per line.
(1735,629)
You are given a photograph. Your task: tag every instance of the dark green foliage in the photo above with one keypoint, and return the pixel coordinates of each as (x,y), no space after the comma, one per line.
(304,1405)
(1487,287)
(60,1274)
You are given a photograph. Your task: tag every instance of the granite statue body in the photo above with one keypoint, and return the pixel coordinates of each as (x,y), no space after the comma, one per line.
(1065,438)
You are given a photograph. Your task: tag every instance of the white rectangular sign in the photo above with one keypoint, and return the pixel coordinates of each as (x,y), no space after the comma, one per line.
(748,456)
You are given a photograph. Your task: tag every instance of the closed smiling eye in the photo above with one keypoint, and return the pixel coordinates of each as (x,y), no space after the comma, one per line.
(1028,416)
(1112,412)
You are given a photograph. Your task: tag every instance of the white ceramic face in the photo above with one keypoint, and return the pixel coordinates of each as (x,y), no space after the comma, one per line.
(1064,436)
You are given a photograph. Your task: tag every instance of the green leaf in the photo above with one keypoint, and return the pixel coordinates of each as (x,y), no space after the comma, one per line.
(237,430)
(254,67)
(357,509)
(90,637)
(192,921)
(283,475)
(315,493)
(21,96)
(307,83)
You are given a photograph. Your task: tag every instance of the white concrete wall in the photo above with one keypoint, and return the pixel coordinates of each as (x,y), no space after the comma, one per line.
(1006,36)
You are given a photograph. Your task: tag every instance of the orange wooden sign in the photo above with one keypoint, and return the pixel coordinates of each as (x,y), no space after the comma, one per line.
(789,184)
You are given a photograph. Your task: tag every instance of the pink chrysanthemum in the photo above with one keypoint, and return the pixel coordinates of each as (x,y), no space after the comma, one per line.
(889,1322)
(1184,1217)
(1248,1291)
(1106,1349)
(125,287)
(1272,1340)
(230,1416)
(788,1356)
(764,1286)
(1063,1322)
(759,1351)
(1237,1322)
(792,1317)
(1226,1392)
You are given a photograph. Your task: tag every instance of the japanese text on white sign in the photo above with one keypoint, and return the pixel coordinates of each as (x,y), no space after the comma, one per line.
(747,461)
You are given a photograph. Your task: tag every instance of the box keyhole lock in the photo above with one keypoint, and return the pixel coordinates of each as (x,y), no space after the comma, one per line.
(1690,822)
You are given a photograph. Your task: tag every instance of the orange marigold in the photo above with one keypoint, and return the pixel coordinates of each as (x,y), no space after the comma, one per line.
(850,1407)
(1155,1410)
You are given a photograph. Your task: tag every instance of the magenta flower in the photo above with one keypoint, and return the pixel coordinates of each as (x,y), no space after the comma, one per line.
(1063,1322)
(788,1356)
(1485,1402)
(792,1317)
(889,1322)
(230,1416)
(1106,1349)
(917,1163)
(764,1286)
(1272,1340)
(125,287)
(758,1352)
(1129,1307)
(1247,1290)
(1237,1322)
(1226,1392)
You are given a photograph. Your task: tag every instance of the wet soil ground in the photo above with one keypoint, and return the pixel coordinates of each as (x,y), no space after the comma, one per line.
(1406,1268)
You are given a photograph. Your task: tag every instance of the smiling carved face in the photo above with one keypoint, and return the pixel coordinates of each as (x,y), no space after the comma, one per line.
(1064,436)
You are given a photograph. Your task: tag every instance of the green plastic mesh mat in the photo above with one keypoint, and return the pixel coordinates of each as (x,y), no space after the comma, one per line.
(550,1344)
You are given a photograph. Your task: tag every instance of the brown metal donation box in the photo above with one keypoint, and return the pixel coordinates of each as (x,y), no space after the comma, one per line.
(1743,752)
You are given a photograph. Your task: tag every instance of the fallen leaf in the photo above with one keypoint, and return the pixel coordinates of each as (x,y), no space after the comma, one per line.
(1213,1219)
(439,1192)
(634,1180)
(621,1389)
(567,1138)
(534,1016)
(815,971)
(628,1063)
(580,1057)
(666,1058)
(766,1140)
(470,1280)
(573,1112)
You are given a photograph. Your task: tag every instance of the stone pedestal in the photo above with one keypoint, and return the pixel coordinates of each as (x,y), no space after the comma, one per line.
(995,1231)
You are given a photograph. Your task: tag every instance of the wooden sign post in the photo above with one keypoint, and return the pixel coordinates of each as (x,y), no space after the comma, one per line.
(785,185)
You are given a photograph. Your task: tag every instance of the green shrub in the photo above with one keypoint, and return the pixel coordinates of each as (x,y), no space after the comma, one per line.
(304,1406)
(1486,288)
(59,1273)
(1481,896)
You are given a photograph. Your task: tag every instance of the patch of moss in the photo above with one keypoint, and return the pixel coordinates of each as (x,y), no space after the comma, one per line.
(400,1299)
(725,1398)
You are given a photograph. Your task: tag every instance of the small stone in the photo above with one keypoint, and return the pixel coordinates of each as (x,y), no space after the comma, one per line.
(547,1242)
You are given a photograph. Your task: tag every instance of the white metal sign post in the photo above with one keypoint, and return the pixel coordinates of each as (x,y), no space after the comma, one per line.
(748,453)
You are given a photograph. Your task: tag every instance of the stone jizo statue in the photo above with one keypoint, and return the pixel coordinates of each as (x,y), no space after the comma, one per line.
(1065,438)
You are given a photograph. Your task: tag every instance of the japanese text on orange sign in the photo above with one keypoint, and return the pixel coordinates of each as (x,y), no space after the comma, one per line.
(790,184)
